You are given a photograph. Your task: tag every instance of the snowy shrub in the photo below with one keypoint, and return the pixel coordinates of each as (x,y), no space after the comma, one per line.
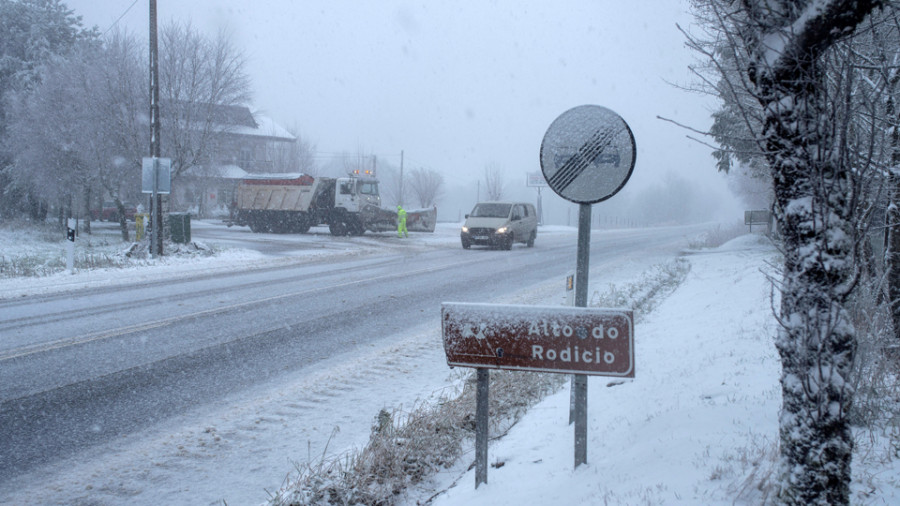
(875,370)
(719,235)
(405,449)
(642,295)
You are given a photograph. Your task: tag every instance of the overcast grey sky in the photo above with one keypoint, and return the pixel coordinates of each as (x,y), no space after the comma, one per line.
(457,85)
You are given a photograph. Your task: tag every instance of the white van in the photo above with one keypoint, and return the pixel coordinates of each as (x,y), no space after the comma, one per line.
(499,225)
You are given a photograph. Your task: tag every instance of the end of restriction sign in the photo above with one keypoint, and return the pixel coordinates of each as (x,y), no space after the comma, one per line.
(588,154)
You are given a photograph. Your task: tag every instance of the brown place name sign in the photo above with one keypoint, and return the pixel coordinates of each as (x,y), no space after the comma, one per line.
(569,340)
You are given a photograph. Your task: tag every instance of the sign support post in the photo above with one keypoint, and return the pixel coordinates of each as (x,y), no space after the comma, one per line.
(156,180)
(536,180)
(581,291)
(154,208)
(481,425)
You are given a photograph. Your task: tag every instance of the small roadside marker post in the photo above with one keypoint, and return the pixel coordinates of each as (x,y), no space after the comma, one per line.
(70,245)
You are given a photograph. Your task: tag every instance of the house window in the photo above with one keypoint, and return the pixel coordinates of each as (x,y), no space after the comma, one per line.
(246,157)
(226,196)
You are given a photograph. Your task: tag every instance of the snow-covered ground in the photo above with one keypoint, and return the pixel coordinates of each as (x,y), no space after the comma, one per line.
(698,424)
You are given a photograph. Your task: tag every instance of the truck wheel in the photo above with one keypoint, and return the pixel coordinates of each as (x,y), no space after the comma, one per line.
(278,227)
(302,223)
(337,228)
(356,228)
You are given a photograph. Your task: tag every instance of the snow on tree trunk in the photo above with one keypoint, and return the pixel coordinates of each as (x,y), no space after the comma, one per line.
(892,216)
(816,342)
(892,248)
(814,206)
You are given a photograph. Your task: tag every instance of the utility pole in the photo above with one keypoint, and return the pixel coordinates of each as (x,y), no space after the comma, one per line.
(400,197)
(156,241)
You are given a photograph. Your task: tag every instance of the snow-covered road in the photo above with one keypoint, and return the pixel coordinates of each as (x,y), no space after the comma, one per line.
(236,446)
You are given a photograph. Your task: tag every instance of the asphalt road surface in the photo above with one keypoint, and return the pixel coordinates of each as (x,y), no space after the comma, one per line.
(80,369)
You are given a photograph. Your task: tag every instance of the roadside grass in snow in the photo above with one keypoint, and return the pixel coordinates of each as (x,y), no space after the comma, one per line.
(643,295)
(33,249)
(405,449)
(718,236)
(39,249)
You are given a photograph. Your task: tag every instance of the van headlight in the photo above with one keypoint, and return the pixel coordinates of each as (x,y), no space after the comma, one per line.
(465,229)
(501,230)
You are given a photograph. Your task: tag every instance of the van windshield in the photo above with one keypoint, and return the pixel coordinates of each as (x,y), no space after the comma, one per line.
(491,210)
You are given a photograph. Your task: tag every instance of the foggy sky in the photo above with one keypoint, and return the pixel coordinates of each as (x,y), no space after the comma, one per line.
(457,85)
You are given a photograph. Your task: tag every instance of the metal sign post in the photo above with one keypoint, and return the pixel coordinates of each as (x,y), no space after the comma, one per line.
(156,180)
(587,156)
(154,207)
(536,180)
(581,284)
(481,425)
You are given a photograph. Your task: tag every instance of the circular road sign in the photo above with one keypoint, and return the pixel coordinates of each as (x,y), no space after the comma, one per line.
(588,154)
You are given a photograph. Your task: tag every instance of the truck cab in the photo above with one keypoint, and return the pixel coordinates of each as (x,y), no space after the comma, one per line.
(356,193)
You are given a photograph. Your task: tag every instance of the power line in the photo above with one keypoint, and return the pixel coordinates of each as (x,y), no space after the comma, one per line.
(120,17)
(348,154)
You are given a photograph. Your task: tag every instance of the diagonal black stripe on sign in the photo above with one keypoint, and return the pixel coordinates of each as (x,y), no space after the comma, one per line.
(581,160)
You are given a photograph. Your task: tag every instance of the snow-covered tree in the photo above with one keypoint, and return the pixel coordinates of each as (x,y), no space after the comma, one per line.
(876,56)
(779,49)
(79,134)
(116,120)
(494,182)
(199,79)
(297,156)
(426,185)
(45,134)
(33,32)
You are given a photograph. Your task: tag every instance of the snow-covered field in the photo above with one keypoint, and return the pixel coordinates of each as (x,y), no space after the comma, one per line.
(698,424)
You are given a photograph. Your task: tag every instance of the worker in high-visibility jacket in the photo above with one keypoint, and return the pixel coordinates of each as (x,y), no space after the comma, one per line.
(401,222)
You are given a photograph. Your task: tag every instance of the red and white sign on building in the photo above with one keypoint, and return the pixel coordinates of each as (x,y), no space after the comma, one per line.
(569,340)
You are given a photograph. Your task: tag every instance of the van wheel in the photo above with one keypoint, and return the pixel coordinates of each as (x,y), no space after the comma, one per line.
(466,244)
(530,242)
(507,244)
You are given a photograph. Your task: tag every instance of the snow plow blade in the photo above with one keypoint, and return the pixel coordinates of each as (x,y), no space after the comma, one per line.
(421,220)
(417,220)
